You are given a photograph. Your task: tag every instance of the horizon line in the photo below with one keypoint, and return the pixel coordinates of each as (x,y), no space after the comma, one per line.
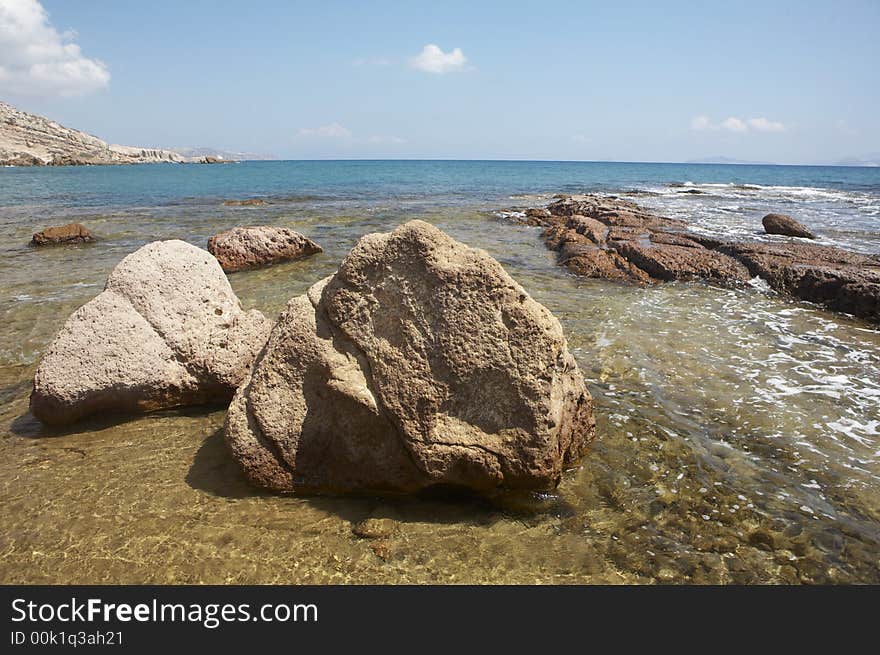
(552,161)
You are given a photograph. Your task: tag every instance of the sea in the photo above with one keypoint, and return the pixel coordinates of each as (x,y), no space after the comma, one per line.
(739,431)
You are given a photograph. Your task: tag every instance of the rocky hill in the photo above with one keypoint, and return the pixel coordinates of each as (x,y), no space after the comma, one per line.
(31,140)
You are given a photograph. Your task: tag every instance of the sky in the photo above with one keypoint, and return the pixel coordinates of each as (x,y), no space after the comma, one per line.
(785,82)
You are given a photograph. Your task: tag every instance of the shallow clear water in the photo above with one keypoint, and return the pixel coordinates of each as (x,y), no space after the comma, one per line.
(739,431)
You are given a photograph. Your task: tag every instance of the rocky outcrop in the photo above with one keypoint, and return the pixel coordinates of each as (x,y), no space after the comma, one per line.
(786,226)
(840,280)
(166,331)
(612,211)
(610,238)
(419,364)
(70,233)
(248,202)
(31,140)
(252,247)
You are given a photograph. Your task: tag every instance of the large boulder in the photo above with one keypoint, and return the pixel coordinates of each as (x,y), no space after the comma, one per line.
(166,331)
(420,363)
(242,248)
(786,226)
(70,233)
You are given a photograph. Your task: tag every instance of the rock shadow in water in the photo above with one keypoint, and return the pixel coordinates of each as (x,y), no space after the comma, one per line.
(215,471)
(27,425)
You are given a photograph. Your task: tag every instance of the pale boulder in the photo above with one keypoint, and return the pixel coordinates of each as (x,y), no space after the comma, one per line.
(166,331)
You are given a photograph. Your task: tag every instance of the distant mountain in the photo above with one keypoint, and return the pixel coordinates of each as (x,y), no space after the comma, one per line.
(871,159)
(724,160)
(231,155)
(32,140)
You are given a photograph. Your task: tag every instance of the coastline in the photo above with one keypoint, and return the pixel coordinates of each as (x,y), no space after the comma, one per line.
(684,431)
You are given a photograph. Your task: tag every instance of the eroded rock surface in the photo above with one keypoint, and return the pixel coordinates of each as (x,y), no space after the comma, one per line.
(31,140)
(252,247)
(420,363)
(611,238)
(166,331)
(70,233)
(840,280)
(247,202)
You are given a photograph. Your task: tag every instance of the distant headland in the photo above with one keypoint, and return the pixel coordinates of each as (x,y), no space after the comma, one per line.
(31,140)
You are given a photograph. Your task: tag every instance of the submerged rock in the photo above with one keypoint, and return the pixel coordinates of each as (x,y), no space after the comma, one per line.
(166,331)
(248,202)
(252,247)
(785,225)
(70,233)
(420,363)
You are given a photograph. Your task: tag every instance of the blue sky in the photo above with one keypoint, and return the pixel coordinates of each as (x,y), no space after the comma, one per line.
(630,81)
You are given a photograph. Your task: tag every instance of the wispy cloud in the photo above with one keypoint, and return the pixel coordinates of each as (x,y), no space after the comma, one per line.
(329,131)
(734,124)
(433,60)
(35,59)
(764,125)
(701,123)
(844,128)
(371,61)
(342,136)
(378,139)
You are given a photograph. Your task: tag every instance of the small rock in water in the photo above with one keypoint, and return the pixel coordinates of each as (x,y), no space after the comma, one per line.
(249,202)
(70,233)
(244,248)
(785,225)
(373,528)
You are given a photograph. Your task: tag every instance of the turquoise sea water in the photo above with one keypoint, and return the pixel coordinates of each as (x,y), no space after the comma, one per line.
(739,431)
(436,181)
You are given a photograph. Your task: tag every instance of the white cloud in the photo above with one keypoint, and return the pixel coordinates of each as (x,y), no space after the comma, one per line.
(764,125)
(433,60)
(701,123)
(734,124)
(329,131)
(38,60)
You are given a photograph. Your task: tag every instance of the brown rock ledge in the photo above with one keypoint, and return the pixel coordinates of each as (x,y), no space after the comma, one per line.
(611,238)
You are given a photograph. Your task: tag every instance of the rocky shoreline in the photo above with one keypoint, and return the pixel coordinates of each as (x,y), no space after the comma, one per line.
(31,140)
(419,364)
(611,238)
